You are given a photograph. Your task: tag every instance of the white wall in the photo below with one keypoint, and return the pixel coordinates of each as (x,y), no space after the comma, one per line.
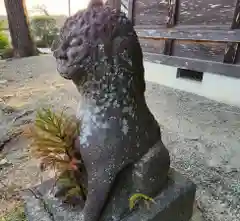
(213,86)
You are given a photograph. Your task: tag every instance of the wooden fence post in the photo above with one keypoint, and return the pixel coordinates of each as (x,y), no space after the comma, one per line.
(115,4)
(232,48)
(173,6)
(131,4)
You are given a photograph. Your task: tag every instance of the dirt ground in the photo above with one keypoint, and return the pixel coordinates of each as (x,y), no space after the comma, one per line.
(25,86)
(202,135)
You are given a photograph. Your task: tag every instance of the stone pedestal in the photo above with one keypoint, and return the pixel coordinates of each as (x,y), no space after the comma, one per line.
(174,203)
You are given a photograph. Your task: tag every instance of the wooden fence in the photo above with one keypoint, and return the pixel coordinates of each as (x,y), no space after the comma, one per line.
(201,35)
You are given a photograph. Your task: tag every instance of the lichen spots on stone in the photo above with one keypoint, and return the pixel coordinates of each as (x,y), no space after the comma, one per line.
(125,127)
(86,127)
(91,122)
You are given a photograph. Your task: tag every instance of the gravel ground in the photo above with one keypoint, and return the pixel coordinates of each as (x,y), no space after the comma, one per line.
(203,138)
(202,135)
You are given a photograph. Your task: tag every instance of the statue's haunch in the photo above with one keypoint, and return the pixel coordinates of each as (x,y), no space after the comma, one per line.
(99,50)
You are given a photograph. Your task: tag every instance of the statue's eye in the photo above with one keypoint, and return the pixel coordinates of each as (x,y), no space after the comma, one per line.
(63,56)
(74,42)
(80,41)
(60,54)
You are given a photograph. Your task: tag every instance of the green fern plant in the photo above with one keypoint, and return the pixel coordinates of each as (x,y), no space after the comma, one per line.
(52,139)
(135,198)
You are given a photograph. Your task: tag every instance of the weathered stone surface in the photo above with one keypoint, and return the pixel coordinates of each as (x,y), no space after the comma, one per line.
(174,203)
(147,176)
(99,51)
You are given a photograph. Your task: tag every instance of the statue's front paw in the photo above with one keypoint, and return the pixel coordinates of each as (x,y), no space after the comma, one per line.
(152,170)
(67,195)
(68,190)
(74,201)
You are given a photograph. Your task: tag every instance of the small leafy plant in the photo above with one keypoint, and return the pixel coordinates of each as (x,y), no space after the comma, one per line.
(52,136)
(135,199)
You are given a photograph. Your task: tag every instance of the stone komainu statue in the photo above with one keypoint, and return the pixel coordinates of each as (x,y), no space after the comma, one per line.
(99,51)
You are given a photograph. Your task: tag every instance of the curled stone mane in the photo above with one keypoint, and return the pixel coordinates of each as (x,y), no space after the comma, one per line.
(95,37)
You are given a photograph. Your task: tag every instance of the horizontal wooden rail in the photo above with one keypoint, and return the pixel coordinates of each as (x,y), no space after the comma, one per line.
(191,35)
(195,64)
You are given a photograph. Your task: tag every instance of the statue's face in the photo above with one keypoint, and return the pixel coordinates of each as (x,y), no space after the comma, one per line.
(95,42)
(69,49)
(70,57)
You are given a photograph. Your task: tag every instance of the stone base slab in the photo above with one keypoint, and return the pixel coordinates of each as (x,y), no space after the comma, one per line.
(174,203)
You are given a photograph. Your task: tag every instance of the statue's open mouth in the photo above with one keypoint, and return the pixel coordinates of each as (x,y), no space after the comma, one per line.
(62,68)
(69,63)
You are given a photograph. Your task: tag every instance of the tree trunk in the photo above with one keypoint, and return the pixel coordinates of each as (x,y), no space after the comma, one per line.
(22,42)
